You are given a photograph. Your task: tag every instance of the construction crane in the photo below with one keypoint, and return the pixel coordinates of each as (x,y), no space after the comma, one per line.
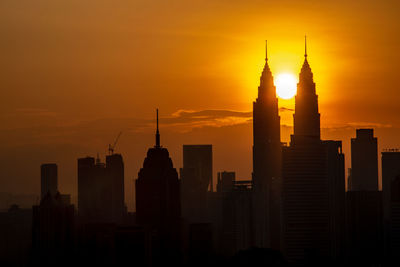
(112,147)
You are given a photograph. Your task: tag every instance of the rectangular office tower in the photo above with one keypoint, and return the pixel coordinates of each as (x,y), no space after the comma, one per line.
(313,201)
(199,158)
(234,220)
(364,202)
(196,182)
(115,171)
(391,202)
(49,179)
(364,161)
(101,189)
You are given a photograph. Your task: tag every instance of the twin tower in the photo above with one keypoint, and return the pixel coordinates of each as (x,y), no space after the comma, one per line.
(266,113)
(298,188)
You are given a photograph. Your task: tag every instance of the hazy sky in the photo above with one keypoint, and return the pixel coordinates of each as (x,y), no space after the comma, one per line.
(75,73)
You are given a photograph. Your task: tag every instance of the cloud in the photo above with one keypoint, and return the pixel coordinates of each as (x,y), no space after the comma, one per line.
(356,125)
(283,109)
(44,126)
(189,119)
(211,113)
(62,130)
(369,125)
(39,112)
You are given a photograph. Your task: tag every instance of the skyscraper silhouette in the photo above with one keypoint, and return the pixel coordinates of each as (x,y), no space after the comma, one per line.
(306,117)
(199,157)
(235,211)
(49,179)
(364,161)
(101,189)
(94,191)
(196,182)
(115,171)
(158,200)
(313,183)
(364,201)
(266,161)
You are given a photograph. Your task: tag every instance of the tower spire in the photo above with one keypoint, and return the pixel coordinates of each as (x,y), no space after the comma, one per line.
(157,134)
(305,46)
(266,50)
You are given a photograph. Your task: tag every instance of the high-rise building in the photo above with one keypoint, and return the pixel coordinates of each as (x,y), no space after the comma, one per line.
(266,162)
(199,158)
(235,227)
(158,204)
(364,230)
(391,202)
(101,189)
(49,179)
(115,170)
(313,183)
(364,161)
(85,167)
(94,191)
(196,182)
(306,118)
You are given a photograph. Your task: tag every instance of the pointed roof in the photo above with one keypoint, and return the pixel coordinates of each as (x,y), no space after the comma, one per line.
(266,75)
(305,73)
(266,87)
(266,66)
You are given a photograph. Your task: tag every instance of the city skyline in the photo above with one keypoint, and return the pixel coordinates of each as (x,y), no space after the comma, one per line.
(200,133)
(187,122)
(88,77)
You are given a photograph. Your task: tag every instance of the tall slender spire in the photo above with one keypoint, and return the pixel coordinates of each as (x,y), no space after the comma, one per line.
(305,46)
(306,66)
(266,87)
(157,134)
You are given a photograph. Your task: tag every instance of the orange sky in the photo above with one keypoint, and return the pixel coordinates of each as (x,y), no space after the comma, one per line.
(75,73)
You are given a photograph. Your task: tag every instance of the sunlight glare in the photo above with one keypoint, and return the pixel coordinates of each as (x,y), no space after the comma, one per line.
(286,85)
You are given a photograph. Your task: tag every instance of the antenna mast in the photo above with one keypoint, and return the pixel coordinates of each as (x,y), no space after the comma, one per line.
(157,134)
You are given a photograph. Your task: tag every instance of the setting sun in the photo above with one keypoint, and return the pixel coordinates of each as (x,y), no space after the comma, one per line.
(286,85)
